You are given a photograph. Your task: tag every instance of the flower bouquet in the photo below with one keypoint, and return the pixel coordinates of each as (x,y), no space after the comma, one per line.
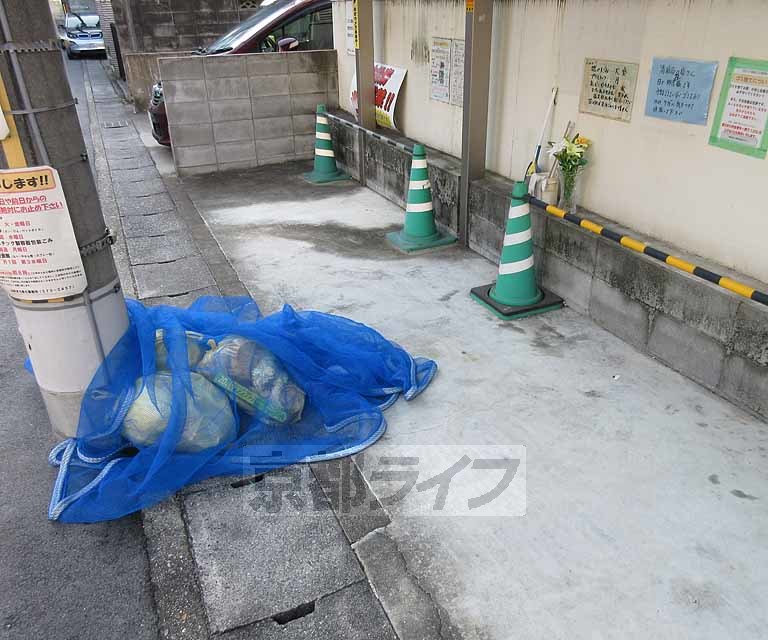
(570,161)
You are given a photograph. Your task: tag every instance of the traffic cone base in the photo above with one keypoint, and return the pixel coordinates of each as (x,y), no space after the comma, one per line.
(321,178)
(484,295)
(408,243)
(515,294)
(325,169)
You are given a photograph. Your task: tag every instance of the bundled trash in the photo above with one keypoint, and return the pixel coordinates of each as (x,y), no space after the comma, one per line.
(219,389)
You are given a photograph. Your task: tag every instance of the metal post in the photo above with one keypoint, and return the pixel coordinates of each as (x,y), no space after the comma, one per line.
(477,72)
(363,14)
(66,339)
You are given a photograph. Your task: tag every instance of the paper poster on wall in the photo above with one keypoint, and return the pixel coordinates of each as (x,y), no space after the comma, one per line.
(387,82)
(349,24)
(742,111)
(679,90)
(608,89)
(440,61)
(457,72)
(39,256)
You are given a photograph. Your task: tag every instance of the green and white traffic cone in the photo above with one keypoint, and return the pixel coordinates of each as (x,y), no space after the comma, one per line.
(325,169)
(515,293)
(420,231)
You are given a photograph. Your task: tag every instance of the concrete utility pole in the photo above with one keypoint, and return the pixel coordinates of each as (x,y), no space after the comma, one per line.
(66,338)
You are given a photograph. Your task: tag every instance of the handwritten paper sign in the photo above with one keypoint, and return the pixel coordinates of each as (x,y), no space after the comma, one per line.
(680,89)
(741,121)
(457,73)
(39,256)
(608,89)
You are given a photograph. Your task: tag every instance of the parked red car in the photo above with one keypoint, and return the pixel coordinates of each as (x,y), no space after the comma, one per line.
(278,25)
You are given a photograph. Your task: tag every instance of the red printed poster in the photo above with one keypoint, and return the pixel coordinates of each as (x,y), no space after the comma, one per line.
(39,256)
(387,81)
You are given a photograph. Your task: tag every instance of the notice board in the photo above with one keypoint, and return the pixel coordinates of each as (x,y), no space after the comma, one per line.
(742,110)
(680,90)
(608,89)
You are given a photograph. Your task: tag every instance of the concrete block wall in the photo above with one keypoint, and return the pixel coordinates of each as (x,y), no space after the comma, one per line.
(238,112)
(713,336)
(705,332)
(181,25)
(386,168)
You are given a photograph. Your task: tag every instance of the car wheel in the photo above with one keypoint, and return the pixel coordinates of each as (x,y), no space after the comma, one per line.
(70,55)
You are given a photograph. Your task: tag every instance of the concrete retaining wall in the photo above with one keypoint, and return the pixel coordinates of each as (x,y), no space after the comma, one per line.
(386,169)
(141,72)
(237,112)
(705,332)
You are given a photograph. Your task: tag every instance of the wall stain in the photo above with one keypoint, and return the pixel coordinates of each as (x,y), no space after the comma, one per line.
(744,496)
(714,479)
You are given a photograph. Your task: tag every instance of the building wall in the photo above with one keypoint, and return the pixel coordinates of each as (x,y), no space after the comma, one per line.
(661,178)
(238,112)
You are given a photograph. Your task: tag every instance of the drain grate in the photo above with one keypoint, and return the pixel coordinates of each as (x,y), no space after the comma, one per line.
(117,124)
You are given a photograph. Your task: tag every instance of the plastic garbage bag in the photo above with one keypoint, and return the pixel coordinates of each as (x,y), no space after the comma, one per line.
(196,347)
(152,421)
(259,382)
(209,422)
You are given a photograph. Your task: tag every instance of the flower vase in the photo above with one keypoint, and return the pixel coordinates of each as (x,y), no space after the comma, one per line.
(570,189)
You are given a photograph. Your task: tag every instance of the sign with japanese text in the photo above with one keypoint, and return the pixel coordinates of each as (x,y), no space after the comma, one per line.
(356,25)
(39,256)
(742,111)
(608,89)
(447,72)
(457,73)
(350,27)
(680,90)
(440,75)
(387,81)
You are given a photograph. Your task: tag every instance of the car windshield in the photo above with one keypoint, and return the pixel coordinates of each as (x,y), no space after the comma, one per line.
(266,13)
(73,22)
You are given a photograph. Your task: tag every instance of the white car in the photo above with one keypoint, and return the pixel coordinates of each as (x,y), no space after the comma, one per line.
(82,34)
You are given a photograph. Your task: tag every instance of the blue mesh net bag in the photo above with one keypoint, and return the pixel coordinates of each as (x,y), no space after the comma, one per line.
(218,389)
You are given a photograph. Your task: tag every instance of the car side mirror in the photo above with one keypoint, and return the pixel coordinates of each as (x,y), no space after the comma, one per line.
(287,44)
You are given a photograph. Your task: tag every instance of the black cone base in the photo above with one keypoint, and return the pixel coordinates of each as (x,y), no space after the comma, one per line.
(549,302)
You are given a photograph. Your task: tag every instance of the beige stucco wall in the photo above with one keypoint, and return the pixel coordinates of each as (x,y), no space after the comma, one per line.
(661,178)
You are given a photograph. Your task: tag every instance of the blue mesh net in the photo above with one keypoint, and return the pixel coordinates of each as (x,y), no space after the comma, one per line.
(219,389)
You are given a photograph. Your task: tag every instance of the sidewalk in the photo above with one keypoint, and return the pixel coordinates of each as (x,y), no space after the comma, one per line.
(645,505)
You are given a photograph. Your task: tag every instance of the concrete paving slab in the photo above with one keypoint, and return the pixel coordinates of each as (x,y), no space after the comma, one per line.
(145,205)
(136,162)
(149,187)
(133,175)
(183,300)
(353,613)
(639,515)
(264,549)
(173,278)
(165,222)
(149,250)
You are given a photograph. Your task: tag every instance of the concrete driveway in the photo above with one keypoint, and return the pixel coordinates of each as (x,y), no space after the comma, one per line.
(646,494)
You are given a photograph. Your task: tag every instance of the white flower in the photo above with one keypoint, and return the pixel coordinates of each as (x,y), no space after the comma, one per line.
(557,148)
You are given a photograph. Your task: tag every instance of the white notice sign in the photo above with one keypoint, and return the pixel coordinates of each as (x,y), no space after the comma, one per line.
(349,25)
(457,73)
(441,70)
(39,256)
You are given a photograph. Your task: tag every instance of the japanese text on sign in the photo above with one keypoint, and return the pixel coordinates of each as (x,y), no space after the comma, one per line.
(680,89)
(742,112)
(441,70)
(39,256)
(608,89)
(387,81)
